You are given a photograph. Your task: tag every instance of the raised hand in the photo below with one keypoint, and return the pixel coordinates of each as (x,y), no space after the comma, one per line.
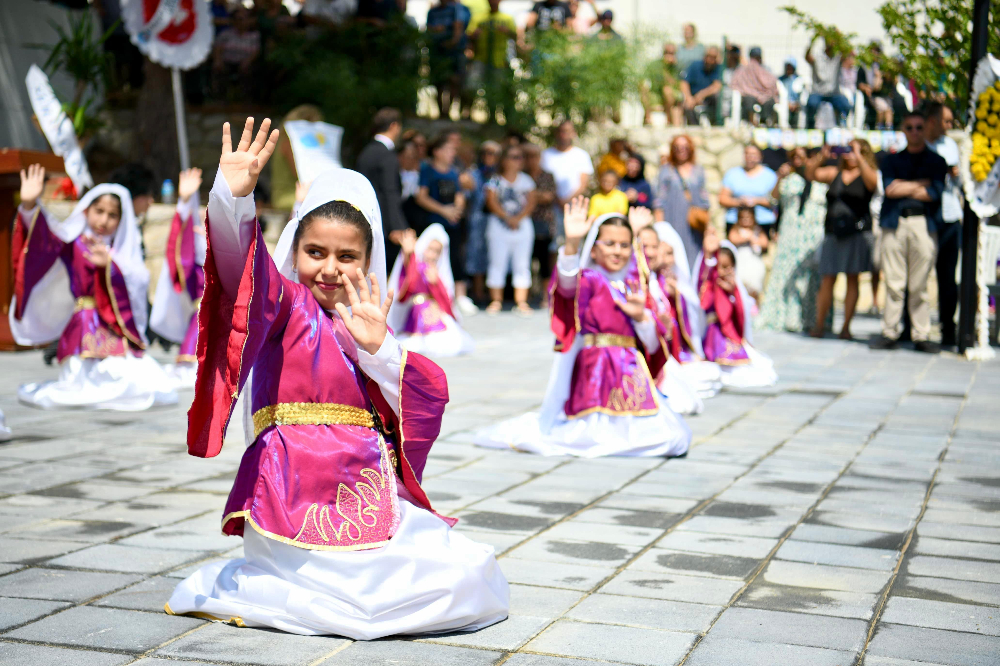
(576,223)
(32,185)
(366,320)
(635,304)
(408,241)
(97,252)
(242,167)
(639,217)
(188,183)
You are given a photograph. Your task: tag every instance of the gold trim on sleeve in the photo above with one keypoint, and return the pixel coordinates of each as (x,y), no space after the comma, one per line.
(310,413)
(114,306)
(85,303)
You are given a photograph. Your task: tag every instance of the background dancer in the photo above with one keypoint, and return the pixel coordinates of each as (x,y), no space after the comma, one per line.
(84,282)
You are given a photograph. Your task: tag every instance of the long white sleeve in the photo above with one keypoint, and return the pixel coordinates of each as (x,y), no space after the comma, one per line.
(384,367)
(646,330)
(190,208)
(567,269)
(232,228)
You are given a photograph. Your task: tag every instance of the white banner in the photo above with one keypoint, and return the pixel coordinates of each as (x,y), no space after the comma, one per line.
(315,146)
(57,127)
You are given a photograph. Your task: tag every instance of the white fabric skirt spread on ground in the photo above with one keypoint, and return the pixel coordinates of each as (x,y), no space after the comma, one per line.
(758,372)
(682,396)
(183,375)
(123,383)
(705,377)
(427,579)
(453,341)
(593,436)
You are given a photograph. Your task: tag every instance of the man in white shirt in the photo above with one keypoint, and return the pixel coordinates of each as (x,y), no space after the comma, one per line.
(570,166)
(939,120)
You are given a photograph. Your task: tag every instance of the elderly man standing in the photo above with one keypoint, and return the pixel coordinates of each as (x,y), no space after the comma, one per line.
(914,180)
(757,86)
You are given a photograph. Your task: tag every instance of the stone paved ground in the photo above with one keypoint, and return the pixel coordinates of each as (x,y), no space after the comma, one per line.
(850,515)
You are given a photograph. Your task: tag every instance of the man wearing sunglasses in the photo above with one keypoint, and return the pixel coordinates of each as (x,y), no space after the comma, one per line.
(911,217)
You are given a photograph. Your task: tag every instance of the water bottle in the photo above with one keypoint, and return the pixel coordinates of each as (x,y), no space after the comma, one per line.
(167,192)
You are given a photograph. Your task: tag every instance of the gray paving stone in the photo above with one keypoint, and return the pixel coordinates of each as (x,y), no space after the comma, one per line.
(824,577)
(573,530)
(508,635)
(20,654)
(613,643)
(570,551)
(33,551)
(645,613)
(740,546)
(62,585)
(951,548)
(222,642)
(522,659)
(890,661)
(89,531)
(549,574)
(779,627)
(629,517)
(127,559)
(107,628)
(838,555)
(808,600)
(942,567)
(149,595)
(947,589)
(541,601)
(934,645)
(714,591)
(717,651)
(942,615)
(153,661)
(402,653)
(848,537)
(695,564)
(20,611)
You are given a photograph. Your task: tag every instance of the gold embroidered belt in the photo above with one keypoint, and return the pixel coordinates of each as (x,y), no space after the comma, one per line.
(608,340)
(420,299)
(711,318)
(310,413)
(85,303)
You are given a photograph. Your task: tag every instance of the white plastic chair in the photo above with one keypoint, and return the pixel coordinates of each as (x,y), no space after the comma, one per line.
(907,95)
(781,107)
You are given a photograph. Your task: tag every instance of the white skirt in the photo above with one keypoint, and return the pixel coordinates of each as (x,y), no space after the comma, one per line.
(183,375)
(681,395)
(453,341)
(705,377)
(593,436)
(758,372)
(427,579)
(5,432)
(122,383)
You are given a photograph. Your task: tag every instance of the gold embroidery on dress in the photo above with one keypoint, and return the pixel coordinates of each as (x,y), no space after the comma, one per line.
(310,413)
(630,396)
(100,344)
(608,340)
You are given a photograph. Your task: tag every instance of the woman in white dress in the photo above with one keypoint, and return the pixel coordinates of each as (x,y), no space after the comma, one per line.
(338,535)
(83,281)
(601,399)
(423,317)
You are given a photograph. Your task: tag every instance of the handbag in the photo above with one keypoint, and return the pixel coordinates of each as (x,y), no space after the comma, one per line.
(697,216)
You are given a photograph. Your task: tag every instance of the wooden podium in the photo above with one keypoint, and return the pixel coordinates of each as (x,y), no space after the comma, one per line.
(12,161)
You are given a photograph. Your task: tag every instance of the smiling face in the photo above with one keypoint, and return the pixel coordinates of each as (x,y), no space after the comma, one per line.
(608,181)
(667,260)
(433,252)
(327,250)
(104,215)
(726,267)
(613,247)
(650,248)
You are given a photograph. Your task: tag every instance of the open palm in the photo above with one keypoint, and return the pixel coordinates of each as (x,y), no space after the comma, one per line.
(639,217)
(366,320)
(242,167)
(634,305)
(32,184)
(188,183)
(575,220)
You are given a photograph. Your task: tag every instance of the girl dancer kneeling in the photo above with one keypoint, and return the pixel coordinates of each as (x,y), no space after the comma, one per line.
(182,281)
(338,536)
(729,327)
(84,282)
(601,399)
(422,315)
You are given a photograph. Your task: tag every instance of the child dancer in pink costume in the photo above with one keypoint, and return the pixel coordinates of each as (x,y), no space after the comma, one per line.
(83,281)
(338,536)
(182,281)
(601,399)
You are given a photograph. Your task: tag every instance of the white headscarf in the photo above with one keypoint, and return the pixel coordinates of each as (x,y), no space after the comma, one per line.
(51,304)
(588,244)
(334,185)
(744,296)
(435,232)
(695,315)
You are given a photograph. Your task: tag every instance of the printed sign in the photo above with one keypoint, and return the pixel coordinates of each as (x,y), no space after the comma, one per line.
(315,146)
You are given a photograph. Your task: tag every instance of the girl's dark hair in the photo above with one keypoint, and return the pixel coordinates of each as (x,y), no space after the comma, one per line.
(729,253)
(118,200)
(438,141)
(338,211)
(616,221)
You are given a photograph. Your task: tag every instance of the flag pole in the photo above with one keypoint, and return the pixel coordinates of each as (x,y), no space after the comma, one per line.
(182,140)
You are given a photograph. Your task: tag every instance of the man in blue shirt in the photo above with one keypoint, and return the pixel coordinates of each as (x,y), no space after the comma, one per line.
(911,217)
(700,85)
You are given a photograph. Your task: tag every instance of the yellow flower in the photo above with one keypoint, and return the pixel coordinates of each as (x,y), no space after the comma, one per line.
(981,127)
(982,111)
(993,119)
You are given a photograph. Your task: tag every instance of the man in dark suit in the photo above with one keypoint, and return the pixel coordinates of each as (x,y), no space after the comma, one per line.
(378,163)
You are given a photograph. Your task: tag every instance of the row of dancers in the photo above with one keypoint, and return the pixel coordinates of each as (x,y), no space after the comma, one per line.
(340,412)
